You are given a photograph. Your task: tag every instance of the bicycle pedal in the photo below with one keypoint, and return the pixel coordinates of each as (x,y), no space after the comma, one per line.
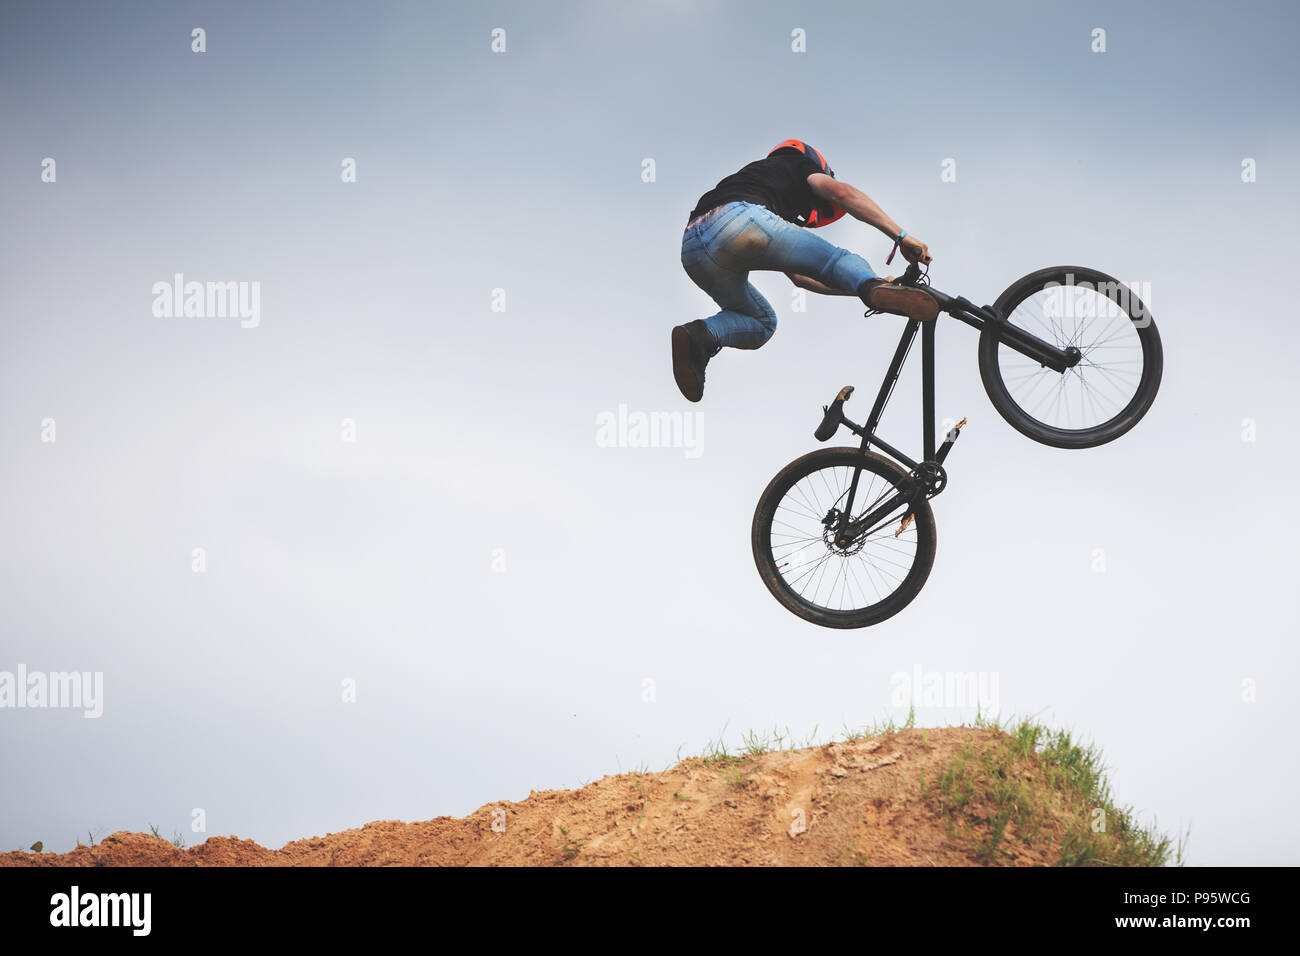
(903,527)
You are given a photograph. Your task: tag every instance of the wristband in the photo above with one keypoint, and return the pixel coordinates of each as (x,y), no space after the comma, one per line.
(897,239)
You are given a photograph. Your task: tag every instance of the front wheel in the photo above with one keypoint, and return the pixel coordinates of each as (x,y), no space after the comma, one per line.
(833,541)
(1117,376)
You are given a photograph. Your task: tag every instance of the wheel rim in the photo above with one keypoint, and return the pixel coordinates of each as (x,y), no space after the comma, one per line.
(866,574)
(1099,319)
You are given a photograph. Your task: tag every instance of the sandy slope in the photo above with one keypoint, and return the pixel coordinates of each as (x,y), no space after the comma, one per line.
(857,802)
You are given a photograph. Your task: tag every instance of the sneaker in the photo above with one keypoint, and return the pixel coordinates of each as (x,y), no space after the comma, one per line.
(912,301)
(693,346)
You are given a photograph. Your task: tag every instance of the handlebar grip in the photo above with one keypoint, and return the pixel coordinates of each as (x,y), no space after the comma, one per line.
(834,415)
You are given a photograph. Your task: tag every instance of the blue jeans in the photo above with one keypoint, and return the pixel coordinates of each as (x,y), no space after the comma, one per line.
(731,241)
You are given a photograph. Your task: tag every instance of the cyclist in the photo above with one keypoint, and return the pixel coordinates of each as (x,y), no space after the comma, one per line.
(758,219)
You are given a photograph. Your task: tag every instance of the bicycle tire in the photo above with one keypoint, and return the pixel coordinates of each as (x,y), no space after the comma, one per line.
(769,569)
(1144,392)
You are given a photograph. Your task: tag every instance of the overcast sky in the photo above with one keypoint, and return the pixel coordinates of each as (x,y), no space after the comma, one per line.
(515,603)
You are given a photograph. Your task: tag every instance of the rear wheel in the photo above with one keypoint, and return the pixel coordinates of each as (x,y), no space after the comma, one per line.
(834,579)
(1116,379)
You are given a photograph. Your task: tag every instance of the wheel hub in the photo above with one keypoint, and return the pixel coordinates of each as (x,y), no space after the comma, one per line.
(836,539)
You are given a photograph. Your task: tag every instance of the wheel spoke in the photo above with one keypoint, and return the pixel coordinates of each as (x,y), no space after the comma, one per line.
(804,552)
(1104,382)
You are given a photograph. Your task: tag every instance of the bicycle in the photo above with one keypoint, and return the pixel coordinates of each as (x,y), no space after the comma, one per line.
(818,522)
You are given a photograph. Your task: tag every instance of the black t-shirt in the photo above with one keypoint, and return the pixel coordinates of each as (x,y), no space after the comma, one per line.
(779,182)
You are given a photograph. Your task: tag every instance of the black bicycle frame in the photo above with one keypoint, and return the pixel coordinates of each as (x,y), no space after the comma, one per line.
(979,318)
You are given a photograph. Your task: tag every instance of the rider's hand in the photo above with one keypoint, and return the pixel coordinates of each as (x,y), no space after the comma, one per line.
(914,250)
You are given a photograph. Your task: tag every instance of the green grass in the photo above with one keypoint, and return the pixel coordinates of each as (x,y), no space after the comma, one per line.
(1014,791)
(989,802)
(571,848)
(716,754)
(879,728)
(177,839)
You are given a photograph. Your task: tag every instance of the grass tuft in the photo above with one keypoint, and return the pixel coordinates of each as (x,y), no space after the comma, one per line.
(1037,784)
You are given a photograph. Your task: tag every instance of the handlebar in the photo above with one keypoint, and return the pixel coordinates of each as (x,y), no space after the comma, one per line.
(910,276)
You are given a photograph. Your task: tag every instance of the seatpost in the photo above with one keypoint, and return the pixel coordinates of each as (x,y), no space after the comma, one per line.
(927,387)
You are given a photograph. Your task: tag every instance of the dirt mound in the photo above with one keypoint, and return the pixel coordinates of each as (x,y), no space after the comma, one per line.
(953,796)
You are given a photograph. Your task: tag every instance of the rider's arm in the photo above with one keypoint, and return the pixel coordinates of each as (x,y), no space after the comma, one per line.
(861,206)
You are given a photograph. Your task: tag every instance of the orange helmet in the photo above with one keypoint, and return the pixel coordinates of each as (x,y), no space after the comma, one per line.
(821,214)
